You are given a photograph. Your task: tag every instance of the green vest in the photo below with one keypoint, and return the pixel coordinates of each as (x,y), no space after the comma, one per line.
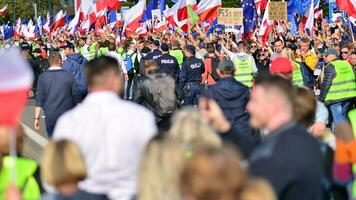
(120,51)
(343,86)
(244,72)
(297,78)
(178,54)
(92,50)
(25,181)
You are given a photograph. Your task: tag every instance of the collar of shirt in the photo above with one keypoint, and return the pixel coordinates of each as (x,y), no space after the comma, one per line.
(104,94)
(54,68)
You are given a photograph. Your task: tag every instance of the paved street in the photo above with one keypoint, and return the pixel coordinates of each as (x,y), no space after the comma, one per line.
(34,140)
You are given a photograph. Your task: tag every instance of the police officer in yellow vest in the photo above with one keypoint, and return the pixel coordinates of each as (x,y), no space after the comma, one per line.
(338,86)
(24,169)
(244,63)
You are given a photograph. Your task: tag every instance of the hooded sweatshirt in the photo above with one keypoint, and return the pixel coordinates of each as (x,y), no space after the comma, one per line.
(75,64)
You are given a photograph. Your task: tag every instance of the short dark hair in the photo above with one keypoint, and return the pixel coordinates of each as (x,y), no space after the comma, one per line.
(278,40)
(284,86)
(353,53)
(55,58)
(99,67)
(111,47)
(210,48)
(305,40)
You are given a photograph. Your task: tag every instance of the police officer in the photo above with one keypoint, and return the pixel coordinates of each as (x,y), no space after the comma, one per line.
(167,63)
(190,76)
(156,53)
(338,87)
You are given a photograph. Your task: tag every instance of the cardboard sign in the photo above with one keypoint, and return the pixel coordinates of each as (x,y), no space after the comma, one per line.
(230,16)
(278,11)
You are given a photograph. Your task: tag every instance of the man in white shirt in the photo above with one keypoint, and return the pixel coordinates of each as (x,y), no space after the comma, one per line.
(110,132)
(112,53)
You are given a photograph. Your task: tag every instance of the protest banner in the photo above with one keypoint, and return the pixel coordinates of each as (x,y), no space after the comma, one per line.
(230,16)
(278,11)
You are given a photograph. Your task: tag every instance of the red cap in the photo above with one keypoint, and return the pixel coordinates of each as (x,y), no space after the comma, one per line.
(281,65)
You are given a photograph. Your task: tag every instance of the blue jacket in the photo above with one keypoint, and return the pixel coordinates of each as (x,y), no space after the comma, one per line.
(192,69)
(75,64)
(232,97)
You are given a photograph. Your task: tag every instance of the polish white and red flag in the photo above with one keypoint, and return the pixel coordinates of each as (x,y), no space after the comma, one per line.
(47,24)
(59,20)
(3,10)
(180,13)
(15,81)
(133,16)
(318,12)
(349,6)
(207,10)
(266,27)
(17,30)
(260,6)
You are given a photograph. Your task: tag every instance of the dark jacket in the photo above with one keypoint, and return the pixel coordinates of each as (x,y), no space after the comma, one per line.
(75,64)
(290,159)
(168,64)
(232,97)
(57,92)
(156,53)
(263,67)
(79,195)
(192,69)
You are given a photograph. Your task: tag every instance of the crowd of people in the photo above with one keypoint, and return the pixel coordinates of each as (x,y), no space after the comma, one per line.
(196,117)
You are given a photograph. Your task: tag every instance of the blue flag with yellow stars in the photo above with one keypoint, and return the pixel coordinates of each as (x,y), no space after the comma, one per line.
(250,16)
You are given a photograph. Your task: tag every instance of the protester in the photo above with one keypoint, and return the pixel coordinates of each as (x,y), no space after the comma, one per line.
(157,92)
(262,62)
(74,64)
(338,86)
(244,63)
(177,52)
(271,108)
(112,52)
(308,60)
(63,167)
(232,96)
(57,92)
(129,62)
(118,131)
(278,48)
(211,63)
(345,52)
(190,76)
(353,60)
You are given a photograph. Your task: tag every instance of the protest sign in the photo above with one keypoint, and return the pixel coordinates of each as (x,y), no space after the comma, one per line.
(230,16)
(278,11)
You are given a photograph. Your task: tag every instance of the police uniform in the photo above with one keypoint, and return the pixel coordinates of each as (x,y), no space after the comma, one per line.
(154,54)
(190,78)
(168,64)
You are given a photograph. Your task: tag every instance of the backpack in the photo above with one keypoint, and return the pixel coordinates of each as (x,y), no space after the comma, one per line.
(163,90)
(128,62)
(44,65)
(214,67)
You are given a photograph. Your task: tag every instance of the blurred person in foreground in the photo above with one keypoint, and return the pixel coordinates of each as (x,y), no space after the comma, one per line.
(218,174)
(104,129)
(271,108)
(63,168)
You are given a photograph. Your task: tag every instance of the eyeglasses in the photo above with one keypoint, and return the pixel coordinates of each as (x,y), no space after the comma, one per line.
(344,52)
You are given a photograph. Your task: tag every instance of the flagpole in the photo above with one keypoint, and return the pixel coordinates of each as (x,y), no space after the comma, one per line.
(14,11)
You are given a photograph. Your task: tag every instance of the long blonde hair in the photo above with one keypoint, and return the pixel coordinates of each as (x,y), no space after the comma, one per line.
(189,129)
(160,170)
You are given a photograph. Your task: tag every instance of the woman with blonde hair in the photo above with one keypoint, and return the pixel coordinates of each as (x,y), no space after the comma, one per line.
(189,129)
(218,174)
(297,76)
(160,169)
(63,168)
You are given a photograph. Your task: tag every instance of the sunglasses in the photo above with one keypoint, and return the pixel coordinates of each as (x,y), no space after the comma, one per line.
(344,52)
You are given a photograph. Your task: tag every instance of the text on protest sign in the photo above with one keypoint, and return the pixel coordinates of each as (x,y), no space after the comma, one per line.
(230,16)
(278,11)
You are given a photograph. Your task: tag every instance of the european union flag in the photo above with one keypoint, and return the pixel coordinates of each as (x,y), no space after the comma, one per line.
(292,11)
(153,5)
(303,5)
(250,15)
(8,32)
(214,26)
